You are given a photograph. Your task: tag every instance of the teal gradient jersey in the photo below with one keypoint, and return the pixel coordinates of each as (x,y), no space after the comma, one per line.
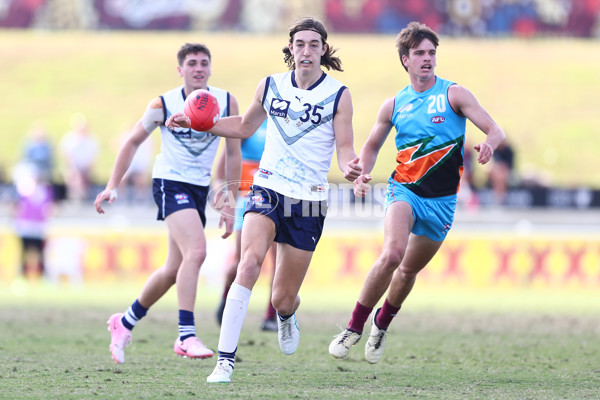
(430,139)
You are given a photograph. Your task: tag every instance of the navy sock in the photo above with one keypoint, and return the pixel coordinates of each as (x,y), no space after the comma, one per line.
(227,357)
(187,328)
(133,314)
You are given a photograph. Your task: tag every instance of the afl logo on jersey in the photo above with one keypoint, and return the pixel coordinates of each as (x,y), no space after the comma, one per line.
(438,119)
(279,108)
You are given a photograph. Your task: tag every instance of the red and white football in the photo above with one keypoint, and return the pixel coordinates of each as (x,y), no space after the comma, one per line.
(202,108)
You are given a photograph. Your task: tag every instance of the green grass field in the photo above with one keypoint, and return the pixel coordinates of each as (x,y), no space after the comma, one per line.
(542,92)
(54,345)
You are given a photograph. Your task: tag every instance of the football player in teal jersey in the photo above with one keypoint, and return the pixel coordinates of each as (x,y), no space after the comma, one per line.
(429,116)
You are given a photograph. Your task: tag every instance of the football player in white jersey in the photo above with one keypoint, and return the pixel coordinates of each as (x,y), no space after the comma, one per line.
(181,179)
(429,117)
(309,116)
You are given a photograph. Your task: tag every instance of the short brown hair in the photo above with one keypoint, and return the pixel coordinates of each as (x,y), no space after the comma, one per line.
(412,36)
(191,48)
(311,24)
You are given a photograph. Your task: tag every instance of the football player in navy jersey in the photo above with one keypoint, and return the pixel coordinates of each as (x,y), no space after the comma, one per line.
(309,116)
(181,177)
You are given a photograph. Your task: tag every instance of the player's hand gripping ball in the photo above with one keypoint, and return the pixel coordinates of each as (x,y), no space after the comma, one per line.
(202,108)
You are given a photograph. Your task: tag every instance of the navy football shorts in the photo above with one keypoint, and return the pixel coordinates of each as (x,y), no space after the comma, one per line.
(171,196)
(298,223)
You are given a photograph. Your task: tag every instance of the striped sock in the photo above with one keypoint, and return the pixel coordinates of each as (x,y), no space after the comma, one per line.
(133,314)
(187,328)
(227,357)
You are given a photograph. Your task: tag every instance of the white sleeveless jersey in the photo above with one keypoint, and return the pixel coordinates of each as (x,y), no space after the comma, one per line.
(300,138)
(187,155)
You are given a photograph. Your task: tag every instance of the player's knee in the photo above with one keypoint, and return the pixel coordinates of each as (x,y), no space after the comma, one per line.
(169,275)
(391,258)
(196,256)
(284,303)
(407,274)
(230,273)
(247,272)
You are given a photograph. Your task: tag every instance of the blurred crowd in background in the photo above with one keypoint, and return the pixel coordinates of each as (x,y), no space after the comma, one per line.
(449,17)
(521,18)
(65,170)
(39,182)
(72,178)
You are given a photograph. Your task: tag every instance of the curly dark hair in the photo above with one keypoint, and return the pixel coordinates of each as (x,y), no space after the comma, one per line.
(311,24)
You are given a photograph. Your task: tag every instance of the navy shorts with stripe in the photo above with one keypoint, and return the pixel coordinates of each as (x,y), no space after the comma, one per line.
(171,196)
(298,223)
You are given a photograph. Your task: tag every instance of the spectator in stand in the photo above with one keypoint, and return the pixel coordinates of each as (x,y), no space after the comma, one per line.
(136,183)
(33,205)
(80,148)
(500,175)
(38,151)
(467,195)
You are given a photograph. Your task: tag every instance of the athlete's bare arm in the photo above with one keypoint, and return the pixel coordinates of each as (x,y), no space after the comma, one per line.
(344,138)
(465,103)
(152,118)
(370,150)
(232,168)
(239,127)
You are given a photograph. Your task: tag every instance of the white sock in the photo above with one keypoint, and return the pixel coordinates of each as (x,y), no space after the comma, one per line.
(234,313)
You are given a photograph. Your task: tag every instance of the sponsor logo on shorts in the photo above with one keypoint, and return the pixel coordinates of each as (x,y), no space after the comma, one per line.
(279,108)
(438,119)
(182,198)
(265,201)
(257,199)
